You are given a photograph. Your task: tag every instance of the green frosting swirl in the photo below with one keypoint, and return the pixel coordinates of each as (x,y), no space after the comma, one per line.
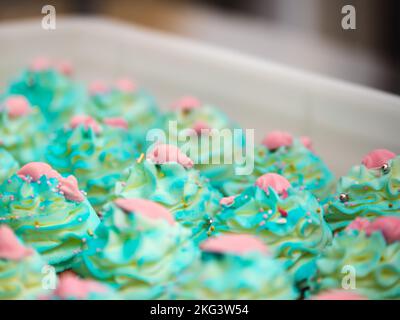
(8,165)
(371,193)
(296,239)
(231,277)
(299,165)
(186,194)
(376,265)
(97,160)
(139,256)
(56,227)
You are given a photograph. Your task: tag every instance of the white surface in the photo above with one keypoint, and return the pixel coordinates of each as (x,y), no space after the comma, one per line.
(345,121)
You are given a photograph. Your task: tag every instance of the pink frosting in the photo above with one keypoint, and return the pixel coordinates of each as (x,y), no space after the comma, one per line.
(275,181)
(125,85)
(187,103)
(116,122)
(237,244)
(359,224)
(164,153)
(338,295)
(71,286)
(226,201)
(307,142)
(10,247)
(17,106)
(86,121)
(201,127)
(146,208)
(98,87)
(277,139)
(377,158)
(41,64)
(65,67)
(69,186)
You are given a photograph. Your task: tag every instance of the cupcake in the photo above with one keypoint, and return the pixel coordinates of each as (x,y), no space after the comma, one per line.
(167,177)
(96,154)
(365,257)
(207,136)
(292,158)
(47,84)
(123,104)
(235,267)
(138,249)
(48,212)
(21,269)
(288,220)
(8,165)
(20,129)
(369,190)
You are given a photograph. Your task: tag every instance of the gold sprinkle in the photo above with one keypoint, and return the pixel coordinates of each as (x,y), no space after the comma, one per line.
(212,228)
(319,210)
(161,175)
(140,159)
(390,205)
(90,232)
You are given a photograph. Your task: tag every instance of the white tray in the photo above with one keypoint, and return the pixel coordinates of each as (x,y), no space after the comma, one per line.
(345,120)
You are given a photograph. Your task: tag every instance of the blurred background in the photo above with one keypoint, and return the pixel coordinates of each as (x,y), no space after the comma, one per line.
(306,34)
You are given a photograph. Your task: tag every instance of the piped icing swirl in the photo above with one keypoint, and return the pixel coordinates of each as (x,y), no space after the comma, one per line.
(8,165)
(138,252)
(366,192)
(235,267)
(288,220)
(48,212)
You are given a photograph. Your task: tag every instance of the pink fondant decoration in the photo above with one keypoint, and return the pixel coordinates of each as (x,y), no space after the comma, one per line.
(201,127)
(389,226)
(10,247)
(41,64)
(65,67)
(71,286)
(338,295)
(275,181)
(237,244)
(359,224)
(307,142)
(145,208)
(17,106)
(116,122)
(98,87)
(69,186)
(277,139)
(125,85)
(36,170)
(226,201)
(86,121)
(377,158)
(187,103)
(164,153)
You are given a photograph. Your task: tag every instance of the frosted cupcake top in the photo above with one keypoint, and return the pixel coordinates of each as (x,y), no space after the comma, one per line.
(8,165)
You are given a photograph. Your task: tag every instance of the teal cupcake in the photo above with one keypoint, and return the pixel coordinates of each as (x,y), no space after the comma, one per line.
(288,220)
(96,155)
(138,249)
(48,212)
(8,165)
(235,267)
(168,178)
(366,261)
(369,190)
(46,85)
(20,129)
(292,158)
(124,105)
(21,269)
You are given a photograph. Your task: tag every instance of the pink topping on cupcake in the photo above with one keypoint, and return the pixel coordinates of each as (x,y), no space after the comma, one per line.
(338,295)
(68,186)
(145,208)
(71,286)
(201,127)
(41,64)
(125,85)
(377,158)
(227,201)
(86,121)
(277,139)
(237,244)
(275,181)
(359,224)
(10,247)
(165,153)
(17,106)
(307,142)
(64,67)
(187,103)
(98,87)
(116,123)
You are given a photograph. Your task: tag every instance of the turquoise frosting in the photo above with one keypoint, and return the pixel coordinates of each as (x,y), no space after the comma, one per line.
(296,239)
(376,265)
(57,96)
(232,277)
(97,160)
(186,194)
(302,167)
(8,165)
(56,227)
(138,108)
(22,136)
(371,193)
(139,256)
